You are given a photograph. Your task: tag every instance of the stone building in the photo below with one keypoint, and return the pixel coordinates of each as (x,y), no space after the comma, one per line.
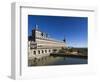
(40,44)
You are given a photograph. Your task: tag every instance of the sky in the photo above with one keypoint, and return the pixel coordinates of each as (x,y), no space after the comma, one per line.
(74,29)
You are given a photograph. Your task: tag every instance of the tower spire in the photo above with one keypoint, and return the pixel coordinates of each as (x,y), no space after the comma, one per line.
(36,27)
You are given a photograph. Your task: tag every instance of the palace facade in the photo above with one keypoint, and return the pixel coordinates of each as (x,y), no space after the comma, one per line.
(40,44)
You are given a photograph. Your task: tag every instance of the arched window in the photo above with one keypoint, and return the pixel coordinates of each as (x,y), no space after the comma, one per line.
(38,51)
(49,50)
(34,52)
(42,51)
(45,51)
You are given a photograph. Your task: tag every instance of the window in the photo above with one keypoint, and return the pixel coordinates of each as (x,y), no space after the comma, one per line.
(49,50)
(34,52)
(38,51)
(45,51)
(42,51)
(42,34)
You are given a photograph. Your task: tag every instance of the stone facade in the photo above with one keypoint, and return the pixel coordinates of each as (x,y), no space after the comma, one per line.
(39,44)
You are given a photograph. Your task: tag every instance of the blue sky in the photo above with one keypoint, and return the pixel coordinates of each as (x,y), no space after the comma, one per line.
(74,29)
